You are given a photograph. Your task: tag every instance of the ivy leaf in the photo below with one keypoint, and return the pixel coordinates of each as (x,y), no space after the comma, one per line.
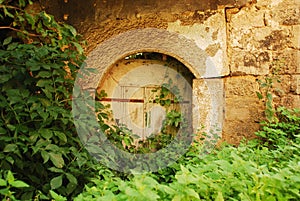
(46,133)
(71,178)
(54,169)
(3,182)
(10,177)
(78,47)
(12,46)
(7,40)
(19,184)
(30,20)
(71,29)
(45,156)
(22,3)
(61,136)
(219,197)
(6,13)
(44,74)
(56,182)
(43,83)
(10,148)
(57,159)
(33,65)
(57,197)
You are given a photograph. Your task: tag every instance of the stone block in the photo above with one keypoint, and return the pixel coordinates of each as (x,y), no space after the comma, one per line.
(290,101)
(295,39)
(247,18)
(277,40)
(241,86)
(284,86)
(208,102)
(249,63)
(235,131)
(296,84)
(288,61)
(286,13)
(242,109)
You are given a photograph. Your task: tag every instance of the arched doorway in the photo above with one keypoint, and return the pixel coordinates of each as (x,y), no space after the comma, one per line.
(145,89)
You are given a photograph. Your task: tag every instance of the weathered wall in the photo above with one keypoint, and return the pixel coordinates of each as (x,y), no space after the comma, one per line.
(242,39)
(260,38)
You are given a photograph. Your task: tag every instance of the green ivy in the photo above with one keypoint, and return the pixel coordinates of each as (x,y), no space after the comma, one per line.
(39,59)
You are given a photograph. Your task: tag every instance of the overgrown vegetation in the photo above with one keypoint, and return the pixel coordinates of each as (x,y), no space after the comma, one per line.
(41,157)
(266,169)
(38,142)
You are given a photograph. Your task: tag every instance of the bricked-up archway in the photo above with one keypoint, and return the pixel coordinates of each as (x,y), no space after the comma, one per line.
(207,95)
(133,84)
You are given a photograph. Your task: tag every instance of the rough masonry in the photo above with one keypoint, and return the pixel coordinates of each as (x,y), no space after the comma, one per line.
(244,41)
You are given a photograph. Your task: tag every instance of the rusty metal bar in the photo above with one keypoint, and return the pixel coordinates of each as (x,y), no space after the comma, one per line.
(133,100)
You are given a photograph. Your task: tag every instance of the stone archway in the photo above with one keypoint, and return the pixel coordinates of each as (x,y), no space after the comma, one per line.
(207,95)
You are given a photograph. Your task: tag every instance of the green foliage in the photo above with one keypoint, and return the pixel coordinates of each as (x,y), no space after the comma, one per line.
(38,141)
(243,173)
(8,183)
(252,171)
(267,90)
(282,132)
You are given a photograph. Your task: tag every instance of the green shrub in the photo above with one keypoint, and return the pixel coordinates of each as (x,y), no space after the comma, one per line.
(252,171)
(283,131)
(8,184)
(38,141)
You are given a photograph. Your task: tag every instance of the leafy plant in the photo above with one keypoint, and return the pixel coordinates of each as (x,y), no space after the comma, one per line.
(8,183)
(267,90)
(231,173)
(261,169)
(39,59)
(283,132)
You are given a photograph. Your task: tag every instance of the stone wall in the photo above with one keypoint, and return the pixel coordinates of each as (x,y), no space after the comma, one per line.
(244,41)
(260,38)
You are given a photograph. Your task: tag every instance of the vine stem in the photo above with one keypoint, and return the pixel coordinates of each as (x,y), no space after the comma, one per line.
(12,7)
(18,30)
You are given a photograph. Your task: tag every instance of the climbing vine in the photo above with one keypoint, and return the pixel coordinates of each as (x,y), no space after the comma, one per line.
(267,90)
(167,96)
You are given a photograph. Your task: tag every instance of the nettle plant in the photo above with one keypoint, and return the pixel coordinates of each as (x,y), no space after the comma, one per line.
(39,58)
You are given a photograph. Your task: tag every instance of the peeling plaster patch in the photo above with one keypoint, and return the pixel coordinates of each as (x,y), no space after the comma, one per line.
(209,36)
(248,17)
(210,71)
(275,2)
(209,96)
(212,50)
